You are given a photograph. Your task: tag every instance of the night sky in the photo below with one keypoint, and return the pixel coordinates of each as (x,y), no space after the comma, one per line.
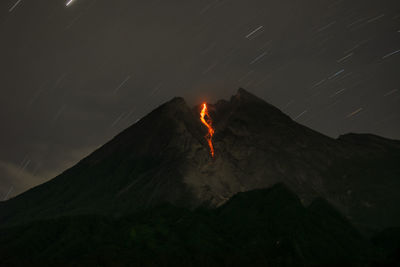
(74,74)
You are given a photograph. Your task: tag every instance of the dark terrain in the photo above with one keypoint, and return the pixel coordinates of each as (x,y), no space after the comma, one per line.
(275,194)
(264,227)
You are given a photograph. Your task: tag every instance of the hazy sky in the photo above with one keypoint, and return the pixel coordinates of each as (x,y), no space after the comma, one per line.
(75,74)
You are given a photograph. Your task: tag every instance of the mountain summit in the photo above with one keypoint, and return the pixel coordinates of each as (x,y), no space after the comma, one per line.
(165,157)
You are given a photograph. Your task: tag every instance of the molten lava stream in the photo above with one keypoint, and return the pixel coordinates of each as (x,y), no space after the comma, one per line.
(207,122)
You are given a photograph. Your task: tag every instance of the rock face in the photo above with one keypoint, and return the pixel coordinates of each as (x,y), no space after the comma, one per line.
(165,158)
(257,146)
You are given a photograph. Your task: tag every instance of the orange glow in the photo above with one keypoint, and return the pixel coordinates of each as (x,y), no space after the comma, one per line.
(207,122)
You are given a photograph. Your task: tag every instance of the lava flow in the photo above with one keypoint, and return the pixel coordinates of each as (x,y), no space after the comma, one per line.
(207,122)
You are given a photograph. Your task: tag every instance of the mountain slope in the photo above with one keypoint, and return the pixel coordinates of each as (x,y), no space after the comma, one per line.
(139,167)
(165,158)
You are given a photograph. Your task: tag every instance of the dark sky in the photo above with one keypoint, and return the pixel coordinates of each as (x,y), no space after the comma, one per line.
(74,76)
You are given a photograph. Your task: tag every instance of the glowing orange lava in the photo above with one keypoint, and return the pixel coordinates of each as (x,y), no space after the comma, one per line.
(207,122)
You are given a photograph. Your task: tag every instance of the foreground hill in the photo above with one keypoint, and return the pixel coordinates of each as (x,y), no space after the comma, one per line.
(264,227)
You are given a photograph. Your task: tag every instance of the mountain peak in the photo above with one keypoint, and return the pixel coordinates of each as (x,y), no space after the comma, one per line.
(177,100)
(173,105)
(244,96)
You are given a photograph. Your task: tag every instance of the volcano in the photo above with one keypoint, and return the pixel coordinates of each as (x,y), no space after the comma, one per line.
(165,157)
(218,156)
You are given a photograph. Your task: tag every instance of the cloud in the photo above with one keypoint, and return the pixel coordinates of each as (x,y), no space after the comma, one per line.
(14,180)
(17,178)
